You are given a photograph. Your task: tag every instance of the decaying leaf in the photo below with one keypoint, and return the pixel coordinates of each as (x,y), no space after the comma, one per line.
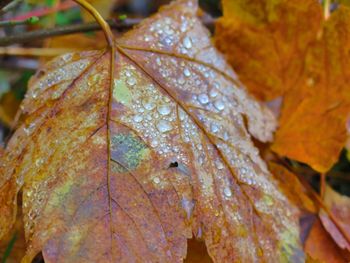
(340,207)
(128,169)
(274,55)
(321,101)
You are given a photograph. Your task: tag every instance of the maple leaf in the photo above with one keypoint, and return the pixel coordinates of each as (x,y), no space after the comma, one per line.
(127,165)
(274,55)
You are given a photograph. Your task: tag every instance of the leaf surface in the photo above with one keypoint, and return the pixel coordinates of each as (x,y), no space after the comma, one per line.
(128,169)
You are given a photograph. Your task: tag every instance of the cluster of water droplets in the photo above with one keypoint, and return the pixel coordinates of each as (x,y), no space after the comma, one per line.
(153,115)
(68,72)
(33,201)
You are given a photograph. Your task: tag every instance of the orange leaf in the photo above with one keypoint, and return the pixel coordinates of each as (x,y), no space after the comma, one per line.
(314,115)
(128,169)
(286,58)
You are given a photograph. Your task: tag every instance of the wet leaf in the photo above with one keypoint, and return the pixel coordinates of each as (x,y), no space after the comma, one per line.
(274,55)
(129,168)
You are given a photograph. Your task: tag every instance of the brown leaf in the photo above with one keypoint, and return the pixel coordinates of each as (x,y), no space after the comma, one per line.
(339,205)
(129,169)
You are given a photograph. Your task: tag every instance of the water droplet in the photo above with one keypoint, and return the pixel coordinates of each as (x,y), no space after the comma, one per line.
(219,165)
(164,126)
(164,109)
(227,192)
(154,143)
(219,105)
(214,128)
(156,180)
(138,118)
(187,43)
(148,105)
(39,162)
(243,170)
(188,206)
(213,93)
(203,98)
(131,81)
(181,81)
(187,72)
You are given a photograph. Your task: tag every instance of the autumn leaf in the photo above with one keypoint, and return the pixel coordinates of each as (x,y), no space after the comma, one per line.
(340,207)
(129,168)
(274,55)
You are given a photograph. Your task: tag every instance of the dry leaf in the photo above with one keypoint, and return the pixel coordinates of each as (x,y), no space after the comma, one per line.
(339,205)
(314,115)
(274,54)
(130,171)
